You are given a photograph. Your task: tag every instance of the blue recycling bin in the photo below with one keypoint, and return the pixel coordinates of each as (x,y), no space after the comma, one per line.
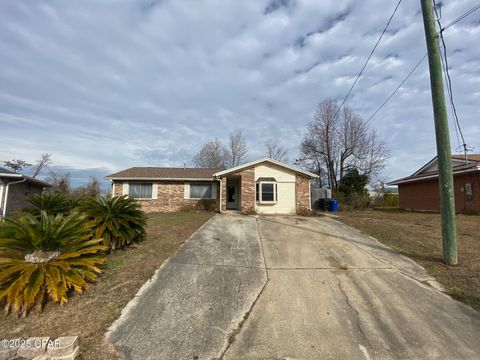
(333,205)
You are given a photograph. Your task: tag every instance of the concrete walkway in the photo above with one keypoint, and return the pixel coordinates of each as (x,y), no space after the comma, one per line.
(288,287)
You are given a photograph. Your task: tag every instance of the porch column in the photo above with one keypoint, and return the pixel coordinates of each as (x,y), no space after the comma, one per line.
(223,194)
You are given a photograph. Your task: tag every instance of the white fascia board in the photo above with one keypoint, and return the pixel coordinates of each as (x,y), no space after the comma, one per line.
(434,176)
(11,175)
(157,179)
(266,159)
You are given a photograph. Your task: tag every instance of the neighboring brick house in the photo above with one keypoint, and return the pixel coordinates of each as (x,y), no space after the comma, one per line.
(263,186)
(420,191)
(15,189)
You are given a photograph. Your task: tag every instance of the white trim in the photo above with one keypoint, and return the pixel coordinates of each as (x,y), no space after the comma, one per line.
(113,189)
(125,188)
(260,195)
(157,179)
(434,176)
(186,190)
(266,159)
(154,191)
(1,194)
(10,175)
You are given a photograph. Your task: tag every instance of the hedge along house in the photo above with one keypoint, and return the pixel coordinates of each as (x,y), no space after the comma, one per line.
(263,186)
(420,191)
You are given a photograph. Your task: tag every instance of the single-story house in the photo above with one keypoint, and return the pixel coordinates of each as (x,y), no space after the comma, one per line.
(262,186)
(420,191)
(15,188)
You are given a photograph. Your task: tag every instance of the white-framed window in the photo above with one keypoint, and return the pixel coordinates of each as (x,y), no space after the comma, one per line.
(201,191)
(266,191)
(140,190)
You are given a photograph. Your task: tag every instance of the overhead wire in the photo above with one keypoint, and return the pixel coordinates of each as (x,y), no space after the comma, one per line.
(461,17)
(368,59)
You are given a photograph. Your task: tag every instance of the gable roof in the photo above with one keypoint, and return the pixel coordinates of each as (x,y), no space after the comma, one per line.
(430,169)
(163,173)
(265,159)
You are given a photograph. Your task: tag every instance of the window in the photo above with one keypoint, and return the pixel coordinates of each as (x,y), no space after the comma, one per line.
(200,191)
(266,191)
(140,190)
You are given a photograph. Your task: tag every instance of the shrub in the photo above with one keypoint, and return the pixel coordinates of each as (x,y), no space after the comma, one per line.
(118,220)
(52,203)
(45,257)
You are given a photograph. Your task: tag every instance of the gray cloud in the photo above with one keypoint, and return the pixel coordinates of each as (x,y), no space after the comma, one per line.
(112,84)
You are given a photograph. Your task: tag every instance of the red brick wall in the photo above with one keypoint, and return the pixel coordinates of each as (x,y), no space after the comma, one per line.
(170,197)
(424,195)
(302,193)
(223,191)
(247,190)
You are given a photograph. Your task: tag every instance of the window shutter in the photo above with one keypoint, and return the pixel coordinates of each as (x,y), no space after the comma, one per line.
(154,191)
(125,189)
(186,191)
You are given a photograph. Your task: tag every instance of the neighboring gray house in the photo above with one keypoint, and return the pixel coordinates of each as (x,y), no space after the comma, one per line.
(15,189)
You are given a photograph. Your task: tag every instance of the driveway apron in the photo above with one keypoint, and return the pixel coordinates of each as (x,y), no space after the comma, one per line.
(334,293)
(192,305)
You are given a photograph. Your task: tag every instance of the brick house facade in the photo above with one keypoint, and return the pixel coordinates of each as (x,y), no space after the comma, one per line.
(282,188)
(420,191)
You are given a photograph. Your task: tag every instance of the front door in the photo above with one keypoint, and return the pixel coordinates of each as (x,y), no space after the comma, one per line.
(232,196)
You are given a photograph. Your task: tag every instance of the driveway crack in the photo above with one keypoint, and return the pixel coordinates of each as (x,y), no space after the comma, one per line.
(353,310)
(234,333)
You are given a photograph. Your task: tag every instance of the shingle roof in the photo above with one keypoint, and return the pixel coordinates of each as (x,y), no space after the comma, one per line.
(472,165)
(5,171)
(164,173)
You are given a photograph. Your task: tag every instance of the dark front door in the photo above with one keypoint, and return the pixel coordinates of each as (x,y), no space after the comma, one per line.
(232,196)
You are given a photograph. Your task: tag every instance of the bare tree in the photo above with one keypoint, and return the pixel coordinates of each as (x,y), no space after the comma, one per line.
(275,151)
(237,147)
(92,188)
(59,182)
(340,143)
(42,163)
(213,154)
(16,165)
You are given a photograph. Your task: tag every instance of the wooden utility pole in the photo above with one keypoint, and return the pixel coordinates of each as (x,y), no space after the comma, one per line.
(445,177)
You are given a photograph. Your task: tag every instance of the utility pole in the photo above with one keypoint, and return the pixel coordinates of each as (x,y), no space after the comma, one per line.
(445,176)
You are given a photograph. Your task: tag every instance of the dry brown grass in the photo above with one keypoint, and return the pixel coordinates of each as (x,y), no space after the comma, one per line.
(418,236)
(90,314)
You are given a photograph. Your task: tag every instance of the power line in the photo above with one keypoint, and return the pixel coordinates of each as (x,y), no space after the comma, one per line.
(368,59)
(448,80)
(461,17)
(397,88)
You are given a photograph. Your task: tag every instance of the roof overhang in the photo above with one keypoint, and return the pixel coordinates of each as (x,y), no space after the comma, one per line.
(262,160)
(8,175)
(114,178)
(431,177)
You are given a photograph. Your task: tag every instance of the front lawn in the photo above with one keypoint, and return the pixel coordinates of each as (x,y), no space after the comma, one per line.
(89,315)
(418,236)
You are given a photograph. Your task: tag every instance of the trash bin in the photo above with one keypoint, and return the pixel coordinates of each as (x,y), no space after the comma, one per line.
(333,205)
(323,204)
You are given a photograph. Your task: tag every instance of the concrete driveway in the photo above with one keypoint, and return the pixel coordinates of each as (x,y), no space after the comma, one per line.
(288,287)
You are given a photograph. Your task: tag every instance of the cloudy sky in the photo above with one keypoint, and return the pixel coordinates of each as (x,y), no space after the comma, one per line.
(105,85)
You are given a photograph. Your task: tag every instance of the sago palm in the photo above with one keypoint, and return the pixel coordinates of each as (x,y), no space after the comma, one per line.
(51,202)
(45,257)
(118,220)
